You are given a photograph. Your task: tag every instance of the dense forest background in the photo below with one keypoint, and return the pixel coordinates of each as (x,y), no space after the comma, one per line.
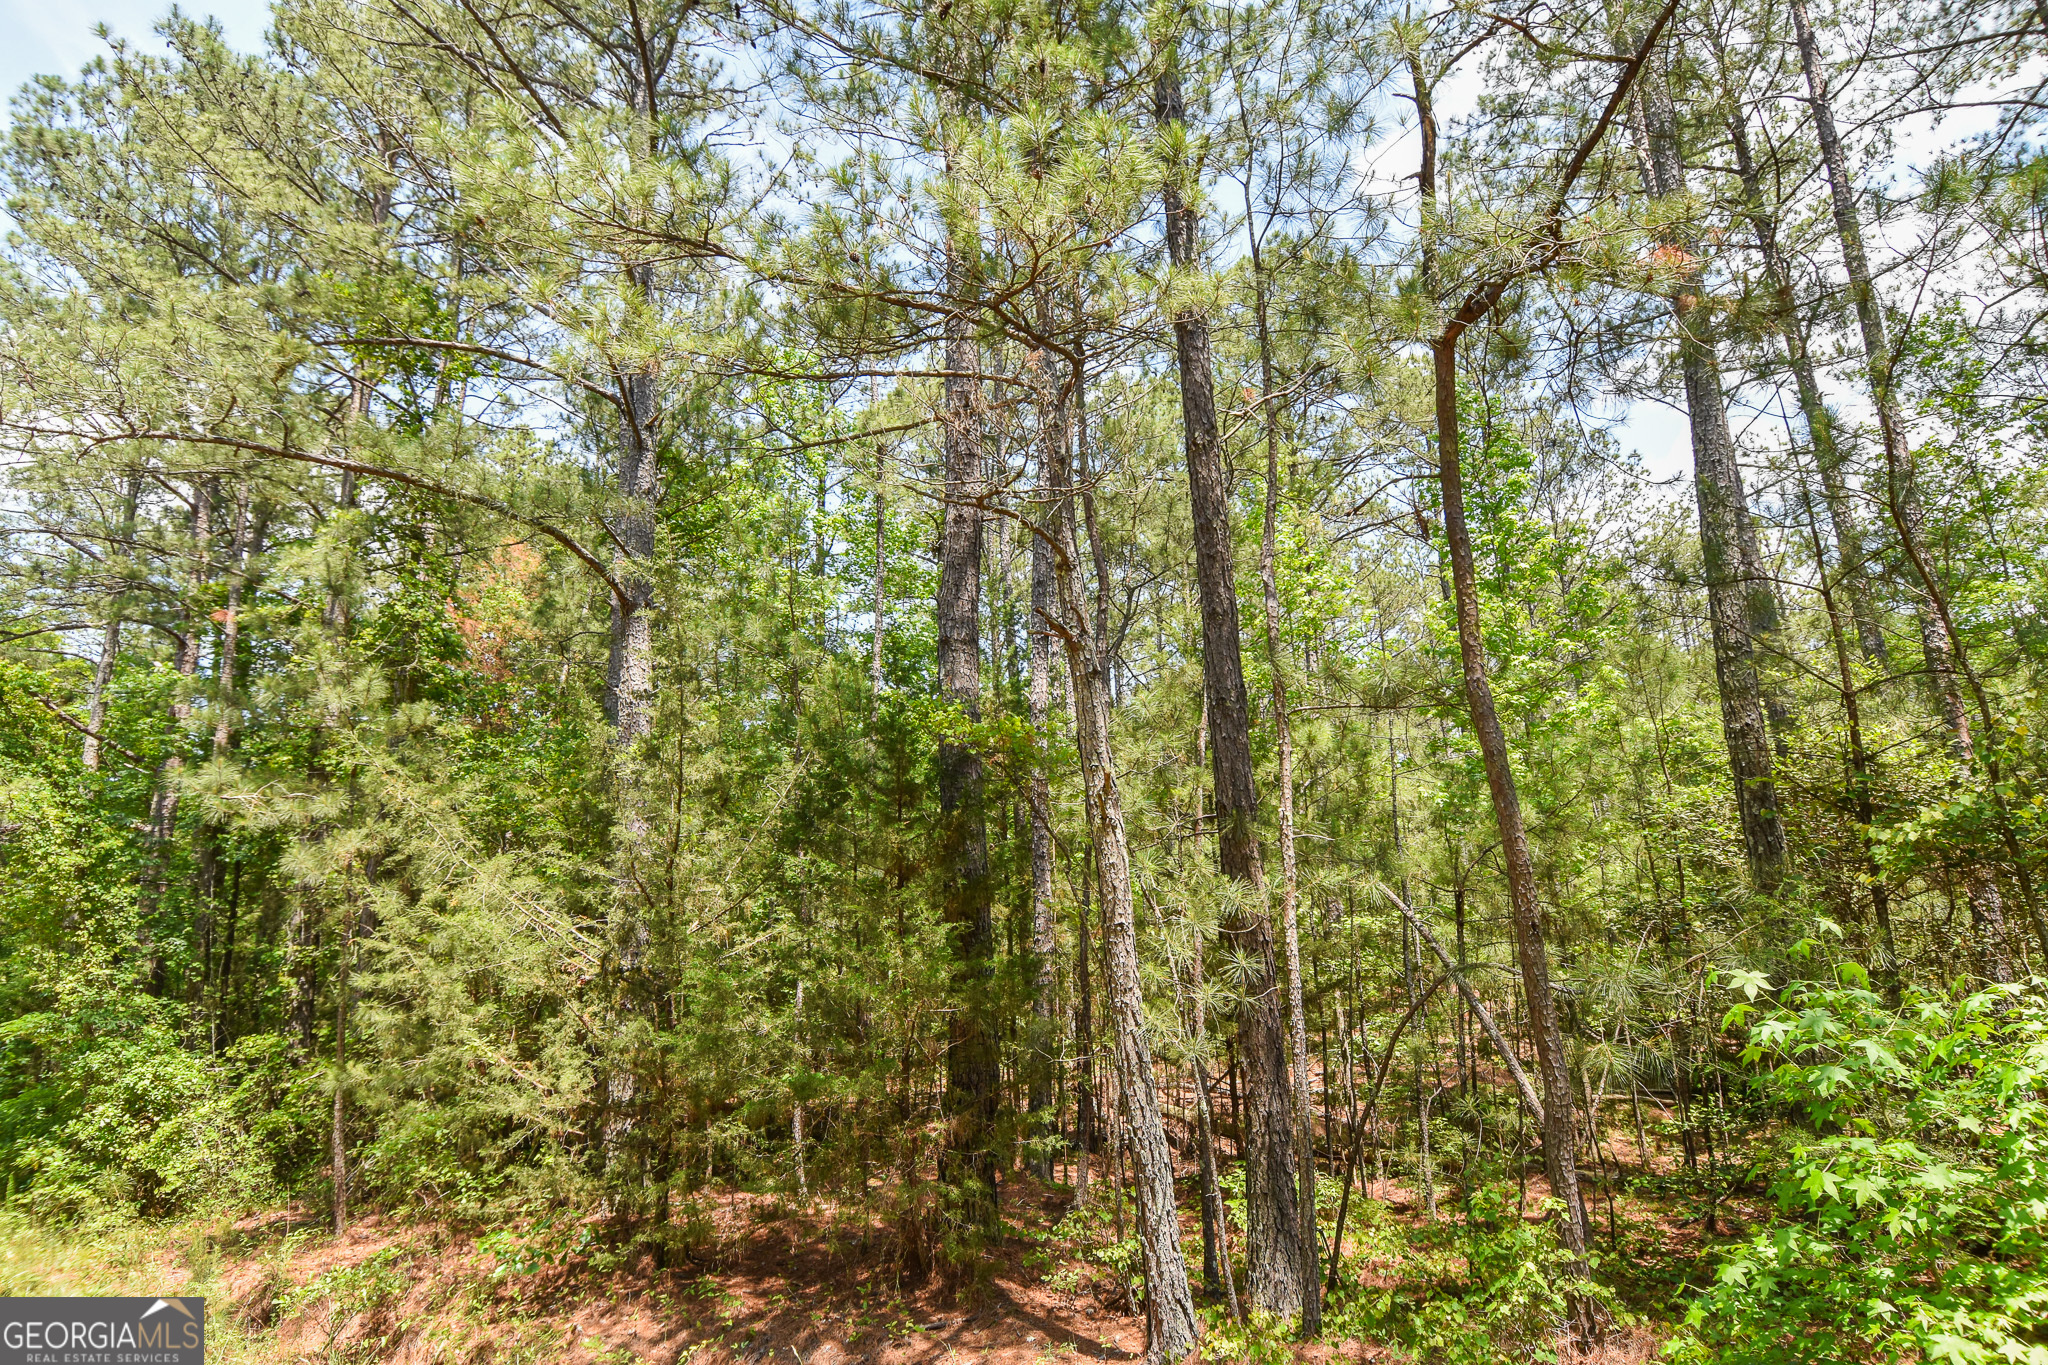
(609,600)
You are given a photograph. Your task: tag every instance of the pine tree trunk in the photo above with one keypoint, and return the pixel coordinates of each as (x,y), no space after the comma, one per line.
(1171,1329)
(1559,1160)
(1085,1104)
(1939,641)
(1274,1250)
(1887,972)
(110,637)
(1276,660)
(1044,942)
(1740,604)
(972,1077)
(1851,550)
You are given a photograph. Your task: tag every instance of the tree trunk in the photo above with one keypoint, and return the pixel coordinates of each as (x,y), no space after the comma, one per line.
(875,672)
(972,1077)
(1559,1160)
(1044,943)
(1939,641)
(110,638)
(1742,608)
(1171,1329)
(629,671)
(337,1144)
(1276,659)
(1851,550)
(1085,1104)
(247,542)
(1859,781)
(1274,1251)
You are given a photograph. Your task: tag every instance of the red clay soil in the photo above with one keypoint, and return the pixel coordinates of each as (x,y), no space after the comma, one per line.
(765,1287)
(768,1288)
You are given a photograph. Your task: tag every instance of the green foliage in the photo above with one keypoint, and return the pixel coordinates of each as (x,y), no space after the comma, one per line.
(1913,1187)
(1492,1286)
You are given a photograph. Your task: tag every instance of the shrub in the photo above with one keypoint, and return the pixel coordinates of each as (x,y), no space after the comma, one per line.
(1914,1191)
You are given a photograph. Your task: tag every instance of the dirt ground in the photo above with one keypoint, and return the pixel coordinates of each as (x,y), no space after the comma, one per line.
(761,1283)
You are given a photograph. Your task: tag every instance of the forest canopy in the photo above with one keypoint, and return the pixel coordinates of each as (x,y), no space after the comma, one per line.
(913,607)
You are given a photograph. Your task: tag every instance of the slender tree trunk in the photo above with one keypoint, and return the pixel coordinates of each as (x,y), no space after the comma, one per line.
(1276,659)
(1939,640)
(1274,1252)
(1524,910)
(110,637)
(1559,1160)
(185,661)
(1212,1200)
(876,676)
(972,1075)
(629,673)
(247,542)
(1859,779)
(796,1115)
(1171,1329)
(337,1143)
(1850,548)
(1044,943)
(1742,608)
(1085,1103)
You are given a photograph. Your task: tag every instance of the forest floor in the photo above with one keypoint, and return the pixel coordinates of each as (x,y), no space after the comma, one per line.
(758,1282)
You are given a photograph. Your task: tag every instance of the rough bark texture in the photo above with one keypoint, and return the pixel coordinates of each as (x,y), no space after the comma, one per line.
(1171,1329)
(629,672)
(1039,795)
(1740,604)
(1276,659)
(1852,551)
(1168,1302)
(1938,641)
(1559,1160)
(1274,1252)
(971,1064)
(246,544)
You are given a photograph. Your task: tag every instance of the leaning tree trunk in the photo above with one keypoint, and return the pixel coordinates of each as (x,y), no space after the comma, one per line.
(1939,641)
(971,1063)
(1171,1329)
(1740,604)
(1559,1161)
(1274,1252)
(1851,549)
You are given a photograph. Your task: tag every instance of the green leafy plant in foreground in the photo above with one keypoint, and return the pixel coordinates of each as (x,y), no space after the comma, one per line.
(1492,1287)
(1914,1193)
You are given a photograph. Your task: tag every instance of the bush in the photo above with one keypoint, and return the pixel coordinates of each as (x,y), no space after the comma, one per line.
(1914,1191)
(1493,1288)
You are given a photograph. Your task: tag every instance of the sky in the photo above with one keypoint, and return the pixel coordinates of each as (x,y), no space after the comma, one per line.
(57,36)
(43,37)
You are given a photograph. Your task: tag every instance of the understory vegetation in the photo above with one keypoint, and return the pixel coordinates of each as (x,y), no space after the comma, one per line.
(1291,672)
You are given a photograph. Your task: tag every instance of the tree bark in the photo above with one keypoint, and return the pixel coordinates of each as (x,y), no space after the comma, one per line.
(1171,1329)
(110,638)
(1851,550)
(1283,730)
(1939,642)
(972,1077)
(1044,943)
(1740,604)
(1859,780)
(1274,1252)
(1559,1160)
